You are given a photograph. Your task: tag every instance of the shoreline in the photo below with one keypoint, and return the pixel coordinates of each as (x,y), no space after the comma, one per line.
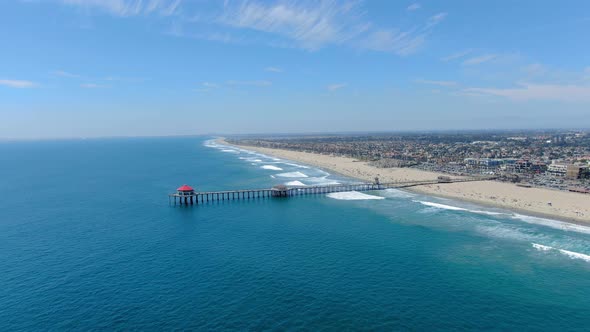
(565,206)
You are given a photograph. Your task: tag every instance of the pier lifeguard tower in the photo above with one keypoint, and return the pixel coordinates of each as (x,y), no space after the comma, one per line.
(187,192)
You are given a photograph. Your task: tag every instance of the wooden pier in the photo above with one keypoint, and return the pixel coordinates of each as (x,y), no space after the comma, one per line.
(186,195)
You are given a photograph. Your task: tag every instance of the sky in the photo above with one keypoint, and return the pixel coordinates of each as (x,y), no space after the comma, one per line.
(94,68)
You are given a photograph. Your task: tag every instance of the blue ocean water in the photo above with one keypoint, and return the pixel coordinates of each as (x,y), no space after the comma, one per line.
(88,241)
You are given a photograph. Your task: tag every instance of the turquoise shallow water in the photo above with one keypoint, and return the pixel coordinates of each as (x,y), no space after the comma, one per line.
(88,241)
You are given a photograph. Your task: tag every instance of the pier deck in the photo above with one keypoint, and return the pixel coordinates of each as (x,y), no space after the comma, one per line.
(284,191)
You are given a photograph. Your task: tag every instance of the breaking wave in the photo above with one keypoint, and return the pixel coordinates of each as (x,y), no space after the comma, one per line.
(271,167)
(295,183)
(322,181)
(564,226)
(398,193)
(570,254)
(456,208)
(292,175)
(296,165)
(352,195)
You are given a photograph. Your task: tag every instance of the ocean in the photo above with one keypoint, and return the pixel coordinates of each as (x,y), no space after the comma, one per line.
(89,241)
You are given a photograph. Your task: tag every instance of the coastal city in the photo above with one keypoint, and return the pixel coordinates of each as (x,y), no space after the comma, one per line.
(294,165)
(551,159)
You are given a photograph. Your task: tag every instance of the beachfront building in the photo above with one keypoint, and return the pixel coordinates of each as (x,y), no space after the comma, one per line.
(576,172)
(538,167)
(556,169)
(522,165)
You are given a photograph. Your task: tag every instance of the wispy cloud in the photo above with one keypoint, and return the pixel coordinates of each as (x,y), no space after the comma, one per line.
(273,69)
(455,56)
(439,83)
(312,25)
(304,24)
(19,84)
(544,92)
(260,83)
(414,6)
(401,42)
(336,86)
(210,85)
(130,7)
(480,59)
(65,74)
(207,86)
(535,69)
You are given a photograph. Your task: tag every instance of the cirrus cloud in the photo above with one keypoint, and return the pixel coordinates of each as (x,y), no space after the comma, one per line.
(530,92)
(18,84)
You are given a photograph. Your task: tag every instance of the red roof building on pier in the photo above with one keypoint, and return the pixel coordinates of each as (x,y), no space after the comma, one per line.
(185,189)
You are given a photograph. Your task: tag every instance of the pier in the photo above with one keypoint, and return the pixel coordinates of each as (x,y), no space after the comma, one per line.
(186,195)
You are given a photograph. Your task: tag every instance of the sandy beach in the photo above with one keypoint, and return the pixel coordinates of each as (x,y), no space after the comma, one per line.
(563,205)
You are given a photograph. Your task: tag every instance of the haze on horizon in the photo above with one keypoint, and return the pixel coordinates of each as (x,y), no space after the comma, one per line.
(88,68)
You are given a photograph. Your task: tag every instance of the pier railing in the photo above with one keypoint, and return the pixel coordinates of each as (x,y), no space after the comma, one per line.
(284,191)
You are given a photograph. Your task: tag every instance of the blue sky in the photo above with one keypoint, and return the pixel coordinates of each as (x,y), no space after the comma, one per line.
(87,68)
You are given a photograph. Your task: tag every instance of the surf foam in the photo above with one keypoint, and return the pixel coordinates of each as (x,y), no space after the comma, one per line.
(570,254)
(292,175)
(575,255)
(295,183)
(398,193)
(541,247)
(352,195)
(456,208)
(271,167)
(322,181)
(441,206)
(296,165)
(564,226)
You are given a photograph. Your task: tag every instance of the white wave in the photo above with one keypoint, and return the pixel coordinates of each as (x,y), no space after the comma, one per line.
(292,175)
(456,208)
(503,231)
(272,176)
(552,223)
(352,195)
(295,183)
(398,193)
(556,224)
(541,247)
(210,143)
(575,255)
(442,206)
(322,181)
(570,254)
(271,167)
(230,151)
(243,158)
(255,160)
(296,165)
